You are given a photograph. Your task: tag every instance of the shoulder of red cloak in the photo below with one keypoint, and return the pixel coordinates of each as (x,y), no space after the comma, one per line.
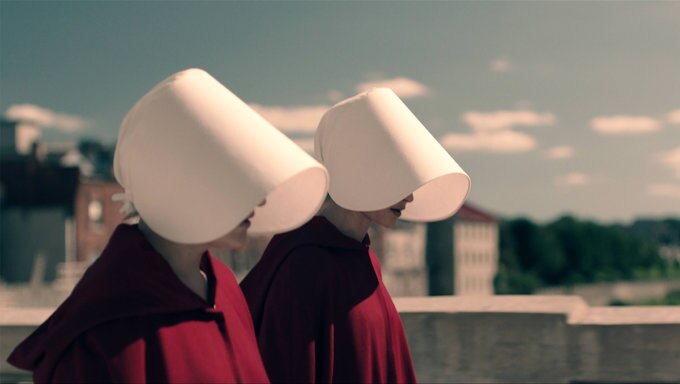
(295,247)
(307,277)
(111,288)
(308,266)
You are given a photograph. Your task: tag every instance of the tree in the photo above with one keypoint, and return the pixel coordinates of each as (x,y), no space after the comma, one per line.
(569,251)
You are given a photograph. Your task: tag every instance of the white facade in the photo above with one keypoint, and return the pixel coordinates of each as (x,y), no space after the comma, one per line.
(403,260)
(476,257)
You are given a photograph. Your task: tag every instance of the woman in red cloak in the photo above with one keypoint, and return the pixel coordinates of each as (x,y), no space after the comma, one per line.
(196,164)
(320,309)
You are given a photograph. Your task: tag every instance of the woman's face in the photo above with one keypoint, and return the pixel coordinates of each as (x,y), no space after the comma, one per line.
(238,236)
(388,217)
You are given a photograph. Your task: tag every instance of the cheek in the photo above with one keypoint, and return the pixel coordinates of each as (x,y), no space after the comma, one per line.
(390,218)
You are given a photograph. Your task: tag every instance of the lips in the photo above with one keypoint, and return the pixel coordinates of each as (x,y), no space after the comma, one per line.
(246,221)
(397,212)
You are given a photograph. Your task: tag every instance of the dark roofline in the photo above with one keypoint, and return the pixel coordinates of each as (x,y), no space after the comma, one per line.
(4,119)
(470,212)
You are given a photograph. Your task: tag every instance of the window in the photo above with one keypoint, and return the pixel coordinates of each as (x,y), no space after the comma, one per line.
(95,214)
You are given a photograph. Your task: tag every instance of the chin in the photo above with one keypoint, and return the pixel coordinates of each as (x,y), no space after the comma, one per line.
(388,223)
(234,240)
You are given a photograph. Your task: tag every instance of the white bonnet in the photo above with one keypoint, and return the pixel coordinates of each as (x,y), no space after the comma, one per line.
(377,153)
(195,160)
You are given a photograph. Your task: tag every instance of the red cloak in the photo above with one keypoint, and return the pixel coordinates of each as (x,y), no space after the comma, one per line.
(322,313)
(130,319)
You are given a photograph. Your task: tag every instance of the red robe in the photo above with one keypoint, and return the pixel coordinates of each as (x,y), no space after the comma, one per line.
(322,313)
(130,319)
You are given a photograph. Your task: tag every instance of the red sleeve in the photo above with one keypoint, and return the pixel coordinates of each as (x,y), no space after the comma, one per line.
(296,334)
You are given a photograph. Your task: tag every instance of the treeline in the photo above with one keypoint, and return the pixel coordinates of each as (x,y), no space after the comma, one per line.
(568,251)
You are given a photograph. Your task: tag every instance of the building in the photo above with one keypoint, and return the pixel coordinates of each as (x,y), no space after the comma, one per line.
(57,212)
(17,138)
(402,258)
(96,217)
(37,199)
(454,256)
(476,251)
(462,253)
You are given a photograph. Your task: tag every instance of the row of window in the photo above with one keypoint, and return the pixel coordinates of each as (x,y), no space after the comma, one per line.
(477,258)
(476,231)
(475,284)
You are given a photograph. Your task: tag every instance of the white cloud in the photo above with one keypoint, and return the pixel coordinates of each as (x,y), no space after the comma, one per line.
(674,117)
(671,159)
(506,142)
(560,152)
(488,121)
(492,131)
(292,119)
(572,179)
(402,86)
(664,190)
(45,118)
(500,65)
(624,125)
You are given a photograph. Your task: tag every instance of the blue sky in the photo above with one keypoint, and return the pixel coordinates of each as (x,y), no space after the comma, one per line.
(551,107)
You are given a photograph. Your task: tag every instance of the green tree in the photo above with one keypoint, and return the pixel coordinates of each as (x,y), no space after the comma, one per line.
(570,251)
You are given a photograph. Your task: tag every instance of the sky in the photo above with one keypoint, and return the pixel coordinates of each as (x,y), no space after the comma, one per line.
(552,108)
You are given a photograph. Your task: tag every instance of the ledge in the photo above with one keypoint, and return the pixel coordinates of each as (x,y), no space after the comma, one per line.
(12,317)
(539,339)
(500,339)
(573,308)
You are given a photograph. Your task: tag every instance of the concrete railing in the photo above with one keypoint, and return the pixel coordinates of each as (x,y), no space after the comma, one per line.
(500,339)
(626,291)
(540,339)
(15,325)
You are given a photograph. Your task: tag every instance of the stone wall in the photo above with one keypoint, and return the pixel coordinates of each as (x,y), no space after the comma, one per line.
(15,325)
(501,339)
(540,339)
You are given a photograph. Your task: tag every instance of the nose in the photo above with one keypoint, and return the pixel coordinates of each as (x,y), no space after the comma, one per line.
(408,198)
